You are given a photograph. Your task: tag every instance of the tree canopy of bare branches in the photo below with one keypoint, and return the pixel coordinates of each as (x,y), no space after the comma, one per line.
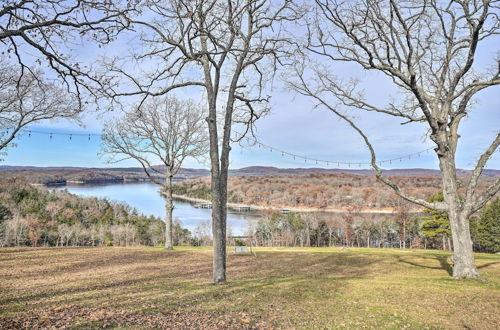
(165,130)
(28,98)
(427,49)
(227,49)
(42,32)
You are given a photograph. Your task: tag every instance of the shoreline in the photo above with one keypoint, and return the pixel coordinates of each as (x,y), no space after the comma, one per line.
(293,209)
(253,207)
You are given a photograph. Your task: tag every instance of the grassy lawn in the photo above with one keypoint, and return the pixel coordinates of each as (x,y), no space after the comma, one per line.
(279,288)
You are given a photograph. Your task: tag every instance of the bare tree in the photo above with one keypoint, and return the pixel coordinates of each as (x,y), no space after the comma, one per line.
(427,49)
(44,31)
(165,129)
(36,34)
(229,49)
(28,98)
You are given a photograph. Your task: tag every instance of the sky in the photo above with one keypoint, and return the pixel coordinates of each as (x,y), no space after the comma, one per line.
(293,125)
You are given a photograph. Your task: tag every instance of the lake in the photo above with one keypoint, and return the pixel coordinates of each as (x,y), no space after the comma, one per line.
(145,198)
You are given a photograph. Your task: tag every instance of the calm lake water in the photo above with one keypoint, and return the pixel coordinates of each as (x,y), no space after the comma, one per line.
(146,199)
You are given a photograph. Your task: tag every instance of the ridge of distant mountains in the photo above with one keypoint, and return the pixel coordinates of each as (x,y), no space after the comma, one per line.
(252,170)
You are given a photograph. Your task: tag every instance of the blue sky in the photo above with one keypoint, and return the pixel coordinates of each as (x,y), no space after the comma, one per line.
(293,125)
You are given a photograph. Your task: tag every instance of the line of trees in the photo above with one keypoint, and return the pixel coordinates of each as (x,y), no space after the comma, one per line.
(326,231)
(34,216)
(428,231)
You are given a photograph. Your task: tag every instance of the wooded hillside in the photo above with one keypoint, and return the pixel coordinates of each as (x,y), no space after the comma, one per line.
(319,190)
(38,217)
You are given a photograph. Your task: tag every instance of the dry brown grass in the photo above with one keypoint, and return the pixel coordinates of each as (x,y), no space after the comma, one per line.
(280,288)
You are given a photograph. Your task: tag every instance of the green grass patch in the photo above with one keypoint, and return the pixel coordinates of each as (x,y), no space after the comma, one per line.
(278,287)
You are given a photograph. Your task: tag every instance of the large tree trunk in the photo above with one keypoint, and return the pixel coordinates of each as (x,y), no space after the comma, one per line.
(169,206)
(464,265)
(463,257)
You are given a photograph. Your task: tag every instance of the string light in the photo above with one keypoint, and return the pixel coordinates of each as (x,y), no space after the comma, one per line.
(30,132)
(327,162)
(254,141)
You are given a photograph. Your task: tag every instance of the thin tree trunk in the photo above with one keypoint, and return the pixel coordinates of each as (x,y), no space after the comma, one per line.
(404,234)
(219,234)
(218,206)
(169,206)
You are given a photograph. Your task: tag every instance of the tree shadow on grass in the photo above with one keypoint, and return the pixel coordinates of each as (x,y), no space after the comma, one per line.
(444,264)
(488,264)
(289,275)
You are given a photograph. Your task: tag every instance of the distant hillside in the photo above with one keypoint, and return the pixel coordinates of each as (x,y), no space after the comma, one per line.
(63,175)
(269,170)
(251,170)
(324,190)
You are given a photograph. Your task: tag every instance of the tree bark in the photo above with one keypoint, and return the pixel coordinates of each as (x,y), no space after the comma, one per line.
(169,206)
(464,265)
(463,258)
(218,232)
(218,200)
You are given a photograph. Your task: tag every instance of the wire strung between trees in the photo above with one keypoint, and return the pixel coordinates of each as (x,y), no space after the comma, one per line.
(51,134)
(253,141)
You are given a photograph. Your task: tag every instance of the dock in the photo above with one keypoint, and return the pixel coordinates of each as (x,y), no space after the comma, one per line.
(203,205)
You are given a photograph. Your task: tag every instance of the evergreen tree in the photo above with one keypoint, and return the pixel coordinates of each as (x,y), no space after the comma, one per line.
(436,224)
(5,213)
(485,229)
